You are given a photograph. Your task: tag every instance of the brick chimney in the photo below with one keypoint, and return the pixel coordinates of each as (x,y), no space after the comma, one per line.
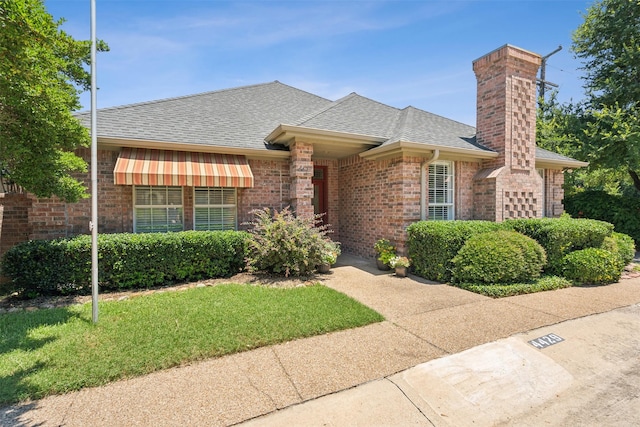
(507,186)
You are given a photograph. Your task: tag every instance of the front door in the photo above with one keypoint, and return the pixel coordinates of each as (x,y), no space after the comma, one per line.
(320,192)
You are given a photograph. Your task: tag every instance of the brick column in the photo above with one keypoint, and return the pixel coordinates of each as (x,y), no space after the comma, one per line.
(301,172)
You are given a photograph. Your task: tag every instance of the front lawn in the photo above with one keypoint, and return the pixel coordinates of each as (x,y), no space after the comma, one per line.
(53,351)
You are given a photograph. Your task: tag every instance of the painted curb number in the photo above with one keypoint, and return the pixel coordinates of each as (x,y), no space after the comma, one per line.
(546,341)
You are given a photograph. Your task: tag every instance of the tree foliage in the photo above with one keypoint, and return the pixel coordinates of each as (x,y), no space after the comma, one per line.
(608,42)
(604,130)
(42,72)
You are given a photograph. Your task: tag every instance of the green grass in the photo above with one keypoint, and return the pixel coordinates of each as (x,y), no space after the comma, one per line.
(544,283)
(54,351)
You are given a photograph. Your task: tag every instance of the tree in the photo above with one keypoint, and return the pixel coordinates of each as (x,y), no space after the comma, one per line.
(609,43)
(42,73)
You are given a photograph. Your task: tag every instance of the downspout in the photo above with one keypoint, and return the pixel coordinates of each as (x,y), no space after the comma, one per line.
(423,183)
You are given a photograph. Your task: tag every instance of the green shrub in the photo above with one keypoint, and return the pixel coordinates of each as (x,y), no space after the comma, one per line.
(63,266)
(560,236)
(433,244)
(621,245)
(623,212)
(592,266)
(500,290)
(498,257)
(286,244)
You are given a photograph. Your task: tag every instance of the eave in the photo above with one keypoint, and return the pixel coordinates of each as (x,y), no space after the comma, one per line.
(417,149)
(108,142)
(560,164)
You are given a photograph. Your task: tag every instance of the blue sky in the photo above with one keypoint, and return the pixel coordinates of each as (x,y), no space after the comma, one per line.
(397,52)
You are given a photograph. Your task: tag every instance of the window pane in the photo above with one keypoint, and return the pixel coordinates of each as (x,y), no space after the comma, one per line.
(174,196)
(441,191)
(201,196)
(158,209)
(143,196)
(217,211)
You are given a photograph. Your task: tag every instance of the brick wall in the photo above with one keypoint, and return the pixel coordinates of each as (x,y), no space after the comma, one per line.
(378,199)
(14,220)
(555,192)
(271,188)
(464,199)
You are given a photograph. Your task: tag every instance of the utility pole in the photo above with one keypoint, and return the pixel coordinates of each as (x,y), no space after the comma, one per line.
(542,80)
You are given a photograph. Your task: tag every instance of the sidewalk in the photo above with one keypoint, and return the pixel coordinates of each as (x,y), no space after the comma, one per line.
(395,360)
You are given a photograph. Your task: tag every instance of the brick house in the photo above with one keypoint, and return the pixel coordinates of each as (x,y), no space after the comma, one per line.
(206,161)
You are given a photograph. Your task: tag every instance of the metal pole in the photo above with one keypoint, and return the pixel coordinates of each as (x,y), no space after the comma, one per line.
(543,75)
(94,171)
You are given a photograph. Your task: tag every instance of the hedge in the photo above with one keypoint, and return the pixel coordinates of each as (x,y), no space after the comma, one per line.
(63,266)
(498,257)
(592,266)
(433,244)
(622,212)
(560,236)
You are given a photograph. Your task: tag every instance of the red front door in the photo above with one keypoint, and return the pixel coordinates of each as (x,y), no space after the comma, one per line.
(320,192)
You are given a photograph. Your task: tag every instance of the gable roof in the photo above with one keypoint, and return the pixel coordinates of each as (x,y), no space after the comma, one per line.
(239,118)
(256,117)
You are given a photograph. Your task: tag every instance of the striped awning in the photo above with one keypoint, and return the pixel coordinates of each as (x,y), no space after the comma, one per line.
(140,166)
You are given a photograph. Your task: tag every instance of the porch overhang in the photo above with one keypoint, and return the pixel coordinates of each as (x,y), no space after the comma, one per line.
(417,149)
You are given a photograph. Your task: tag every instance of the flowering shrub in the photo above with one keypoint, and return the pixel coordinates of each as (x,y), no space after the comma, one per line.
(331,252)
(385,250)
(399,261)
(285,244)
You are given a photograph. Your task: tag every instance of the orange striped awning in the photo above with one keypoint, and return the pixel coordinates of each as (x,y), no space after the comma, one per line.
(140,166)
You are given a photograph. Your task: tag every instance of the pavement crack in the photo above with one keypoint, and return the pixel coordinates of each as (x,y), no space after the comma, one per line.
(446,352)
(275,354)
(256,388)
(426,417)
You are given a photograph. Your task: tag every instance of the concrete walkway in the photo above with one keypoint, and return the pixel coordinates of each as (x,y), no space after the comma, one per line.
(443,356)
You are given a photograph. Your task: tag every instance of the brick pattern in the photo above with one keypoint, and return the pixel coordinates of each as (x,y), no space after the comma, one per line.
(555,192)
(378,199)
(520,204)
(522,125)
(506,123)
(271,189)
(14,220)
(464,195)
(301,171)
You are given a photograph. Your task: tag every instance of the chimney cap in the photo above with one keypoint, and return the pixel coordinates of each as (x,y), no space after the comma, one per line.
(508,46)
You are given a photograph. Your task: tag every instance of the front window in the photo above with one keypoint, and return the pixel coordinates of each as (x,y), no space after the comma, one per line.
(441,191)
(157,209)
(215,208)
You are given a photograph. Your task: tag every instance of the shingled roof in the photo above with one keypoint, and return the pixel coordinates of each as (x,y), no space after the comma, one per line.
(243,117)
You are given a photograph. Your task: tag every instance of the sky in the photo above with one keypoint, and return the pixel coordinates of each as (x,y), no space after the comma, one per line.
(397,52)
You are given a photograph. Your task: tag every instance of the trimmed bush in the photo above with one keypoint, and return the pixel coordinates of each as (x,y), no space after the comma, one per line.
(592,266)
(623,212)
(285,244)
(497,290)
(498,257)
(560,236)
(621,245)
(433,244)
(63,266)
